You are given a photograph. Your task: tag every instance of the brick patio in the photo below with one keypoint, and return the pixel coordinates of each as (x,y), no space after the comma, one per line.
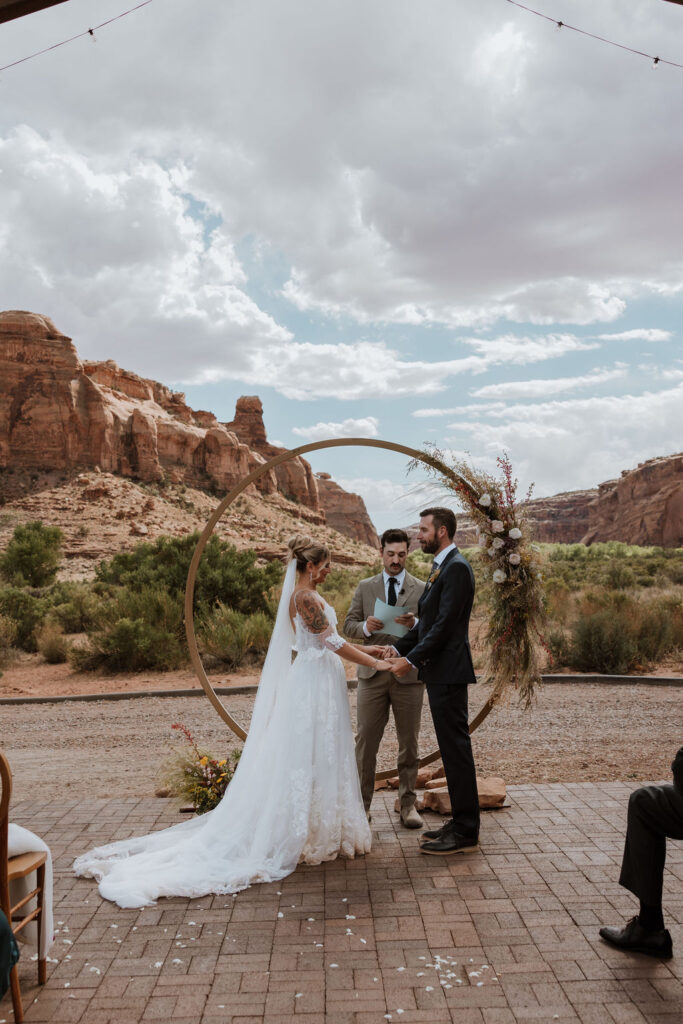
(505,935)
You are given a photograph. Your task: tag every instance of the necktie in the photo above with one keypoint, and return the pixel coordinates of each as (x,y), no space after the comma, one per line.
(392,590)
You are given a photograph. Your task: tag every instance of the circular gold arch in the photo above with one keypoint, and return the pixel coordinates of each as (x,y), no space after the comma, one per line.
(342,442)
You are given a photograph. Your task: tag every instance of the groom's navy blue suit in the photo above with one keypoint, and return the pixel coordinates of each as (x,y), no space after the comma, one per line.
(438,646)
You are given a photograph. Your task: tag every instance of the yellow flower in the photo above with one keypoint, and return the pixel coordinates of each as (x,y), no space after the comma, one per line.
(203,760)
(221,763)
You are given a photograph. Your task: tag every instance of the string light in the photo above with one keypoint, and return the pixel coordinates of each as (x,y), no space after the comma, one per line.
(530,10)
(610,42)
(88,32)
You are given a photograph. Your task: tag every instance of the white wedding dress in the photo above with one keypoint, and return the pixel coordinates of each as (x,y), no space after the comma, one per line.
(295,796)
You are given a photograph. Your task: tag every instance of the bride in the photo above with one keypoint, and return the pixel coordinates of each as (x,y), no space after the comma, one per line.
(295,796)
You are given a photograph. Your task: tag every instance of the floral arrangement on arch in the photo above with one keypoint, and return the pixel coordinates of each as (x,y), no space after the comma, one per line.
(511,570)
(196,777)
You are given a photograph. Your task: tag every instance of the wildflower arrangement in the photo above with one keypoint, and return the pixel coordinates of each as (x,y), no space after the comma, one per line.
(194,776)
(511,568)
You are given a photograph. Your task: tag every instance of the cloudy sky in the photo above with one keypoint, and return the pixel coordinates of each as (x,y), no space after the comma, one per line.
(427,221)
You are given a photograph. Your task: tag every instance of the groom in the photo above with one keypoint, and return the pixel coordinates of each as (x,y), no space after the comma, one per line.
(438,647)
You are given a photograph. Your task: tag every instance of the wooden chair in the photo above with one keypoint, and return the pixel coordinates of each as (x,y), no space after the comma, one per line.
(11,869)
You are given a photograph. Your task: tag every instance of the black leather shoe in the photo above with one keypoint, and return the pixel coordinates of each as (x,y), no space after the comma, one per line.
(436,833)
(633,938)
(450,842)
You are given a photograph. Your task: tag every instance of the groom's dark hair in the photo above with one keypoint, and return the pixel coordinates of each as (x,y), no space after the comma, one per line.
(394,537)
(442,517)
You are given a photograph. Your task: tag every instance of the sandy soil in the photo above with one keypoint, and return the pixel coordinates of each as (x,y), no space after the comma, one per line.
(575,732)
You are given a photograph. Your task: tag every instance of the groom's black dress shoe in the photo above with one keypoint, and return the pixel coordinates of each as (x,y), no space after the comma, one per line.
(633,938)
(450,842)
(436,833)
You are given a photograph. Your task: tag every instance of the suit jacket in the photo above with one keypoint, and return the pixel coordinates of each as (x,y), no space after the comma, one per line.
(438,645)
(677,769)
(363,605)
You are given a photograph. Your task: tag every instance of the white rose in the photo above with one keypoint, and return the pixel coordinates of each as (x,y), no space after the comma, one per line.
(514,558)
(515,533)
(497,526)
(498,542)
(485,500)
(499,576)
(492,552)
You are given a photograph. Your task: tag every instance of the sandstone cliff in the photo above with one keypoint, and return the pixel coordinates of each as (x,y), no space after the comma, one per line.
(644,506)
(344,507)
(60,414)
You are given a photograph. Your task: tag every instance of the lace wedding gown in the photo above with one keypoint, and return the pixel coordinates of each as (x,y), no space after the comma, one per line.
(295,796)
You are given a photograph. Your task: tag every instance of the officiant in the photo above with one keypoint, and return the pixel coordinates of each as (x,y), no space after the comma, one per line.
(380,691)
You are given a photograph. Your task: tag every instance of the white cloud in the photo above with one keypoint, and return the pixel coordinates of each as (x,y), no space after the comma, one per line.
(550,386)
(363,427)
(639,334)
(488,176)
(388,503)
(510,348)
(576,442)
(109,250)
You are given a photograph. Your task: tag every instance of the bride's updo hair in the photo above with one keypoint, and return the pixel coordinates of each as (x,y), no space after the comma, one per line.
(305,549)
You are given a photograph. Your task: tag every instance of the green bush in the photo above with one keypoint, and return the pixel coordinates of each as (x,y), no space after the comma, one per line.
(8,633)
(75,607)
(52,643)
(230,636)
(601,644)
(622,634)
(224,574)
(136,630)
(32,556)
(26,610)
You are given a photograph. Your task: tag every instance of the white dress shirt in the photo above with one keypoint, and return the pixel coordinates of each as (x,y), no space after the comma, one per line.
(400,578)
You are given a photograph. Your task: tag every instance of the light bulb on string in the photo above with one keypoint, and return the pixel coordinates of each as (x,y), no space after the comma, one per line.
(92,35)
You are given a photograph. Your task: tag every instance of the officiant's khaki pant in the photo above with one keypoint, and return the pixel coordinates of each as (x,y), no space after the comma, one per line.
(374,698)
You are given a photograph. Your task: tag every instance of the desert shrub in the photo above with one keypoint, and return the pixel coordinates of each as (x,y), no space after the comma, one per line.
(26,610)
(618,576)
(339,587)
(224,574)
(8,633)
(624,634)
(559,648)
(231,637)
(75,608)
(32,555)
(52,643)
(601,644)
(135,631)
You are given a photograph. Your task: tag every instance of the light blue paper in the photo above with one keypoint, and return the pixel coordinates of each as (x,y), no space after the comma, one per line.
(388,613)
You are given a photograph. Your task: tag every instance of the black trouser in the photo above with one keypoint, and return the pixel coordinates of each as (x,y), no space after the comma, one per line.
(654,813)
(448,705)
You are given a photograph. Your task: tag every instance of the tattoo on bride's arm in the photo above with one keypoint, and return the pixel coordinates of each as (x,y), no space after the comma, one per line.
(313,614)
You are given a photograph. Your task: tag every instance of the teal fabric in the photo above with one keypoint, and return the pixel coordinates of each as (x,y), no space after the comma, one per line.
(9,953)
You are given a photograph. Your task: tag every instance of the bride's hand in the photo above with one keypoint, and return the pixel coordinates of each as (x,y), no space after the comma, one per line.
(383,666)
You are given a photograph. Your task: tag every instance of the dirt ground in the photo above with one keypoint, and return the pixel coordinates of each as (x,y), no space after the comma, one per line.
(574,733)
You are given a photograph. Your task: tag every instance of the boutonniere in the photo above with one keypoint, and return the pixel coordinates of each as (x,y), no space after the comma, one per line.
(433,577)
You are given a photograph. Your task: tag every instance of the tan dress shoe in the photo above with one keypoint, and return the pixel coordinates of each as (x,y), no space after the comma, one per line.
(411,819)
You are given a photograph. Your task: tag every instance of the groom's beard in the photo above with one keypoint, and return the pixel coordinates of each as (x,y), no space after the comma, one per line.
(430,547)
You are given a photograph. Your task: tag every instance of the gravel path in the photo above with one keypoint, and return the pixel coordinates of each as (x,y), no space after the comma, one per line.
(575,733)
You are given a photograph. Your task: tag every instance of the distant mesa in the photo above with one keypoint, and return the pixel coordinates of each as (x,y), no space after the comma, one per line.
(60,413)
(644,506)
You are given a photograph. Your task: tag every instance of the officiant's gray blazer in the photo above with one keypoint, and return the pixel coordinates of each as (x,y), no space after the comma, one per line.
(363,605)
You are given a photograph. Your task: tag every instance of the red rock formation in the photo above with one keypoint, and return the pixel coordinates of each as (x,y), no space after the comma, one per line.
(295,478)
(644,506)
(345,511)
(57,413)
